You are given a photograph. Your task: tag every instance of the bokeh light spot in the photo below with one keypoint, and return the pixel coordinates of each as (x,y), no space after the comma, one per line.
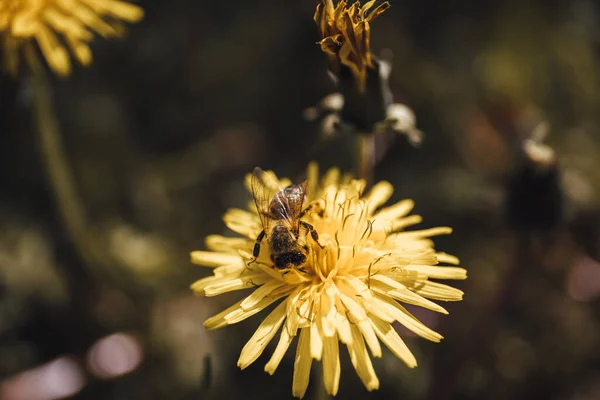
(114,355)
(55,380)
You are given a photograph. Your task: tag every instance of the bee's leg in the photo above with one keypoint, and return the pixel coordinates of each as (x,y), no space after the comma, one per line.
(316,206)
(256,250)
(307,209)
(313,232)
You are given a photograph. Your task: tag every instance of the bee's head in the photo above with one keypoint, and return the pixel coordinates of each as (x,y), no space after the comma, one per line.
(294,258)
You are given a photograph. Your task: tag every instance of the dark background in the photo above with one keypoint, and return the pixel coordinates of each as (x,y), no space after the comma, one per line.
(161,129)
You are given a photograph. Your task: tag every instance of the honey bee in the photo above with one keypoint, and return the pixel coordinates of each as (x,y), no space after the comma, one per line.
(280,211)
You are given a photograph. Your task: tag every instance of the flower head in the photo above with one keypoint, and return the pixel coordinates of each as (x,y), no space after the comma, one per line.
(350,290)
(364,104)
(345,33)
(60,26)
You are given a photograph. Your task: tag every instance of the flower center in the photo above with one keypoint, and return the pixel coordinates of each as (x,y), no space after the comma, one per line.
(21,12)
(344,230)
(10,8)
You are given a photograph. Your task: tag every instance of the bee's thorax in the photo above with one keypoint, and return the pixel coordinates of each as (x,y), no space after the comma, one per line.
(286,201)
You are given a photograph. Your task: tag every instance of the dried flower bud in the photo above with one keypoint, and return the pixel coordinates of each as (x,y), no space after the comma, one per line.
(364,108)
(345,33)
(535,200)
(364,104)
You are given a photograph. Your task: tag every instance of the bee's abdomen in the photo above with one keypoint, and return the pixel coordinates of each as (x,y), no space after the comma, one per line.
(293,258)
(281,240)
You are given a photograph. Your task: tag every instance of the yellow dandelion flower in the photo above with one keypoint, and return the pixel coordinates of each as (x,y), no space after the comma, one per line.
(59,26)
(345,33)
(351,290)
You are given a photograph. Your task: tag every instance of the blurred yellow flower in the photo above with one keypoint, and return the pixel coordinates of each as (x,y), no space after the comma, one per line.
(349,291)
(59,26)
(345,33)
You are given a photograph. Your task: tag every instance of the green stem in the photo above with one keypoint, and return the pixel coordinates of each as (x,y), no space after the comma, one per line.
(70,207)
(365,157)
(86,242)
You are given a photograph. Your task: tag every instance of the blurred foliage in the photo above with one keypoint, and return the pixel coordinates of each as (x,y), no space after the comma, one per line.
(161,129)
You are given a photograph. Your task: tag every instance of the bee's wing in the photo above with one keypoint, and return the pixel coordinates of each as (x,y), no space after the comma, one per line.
(264,188)
(291,205)
(297,207)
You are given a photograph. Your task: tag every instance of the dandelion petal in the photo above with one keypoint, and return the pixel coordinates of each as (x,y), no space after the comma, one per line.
(331,364)
(370,337)
(438,291)
(212,259)
(398,210)
(439,272)
(413,324)
(379,194)
(285,340)
(235,313)
(316,342)
(260,293)
(302,364)
(388,335)
(263,335)
(361,361)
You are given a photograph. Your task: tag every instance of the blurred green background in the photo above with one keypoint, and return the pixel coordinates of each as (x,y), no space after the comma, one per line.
(161,129)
